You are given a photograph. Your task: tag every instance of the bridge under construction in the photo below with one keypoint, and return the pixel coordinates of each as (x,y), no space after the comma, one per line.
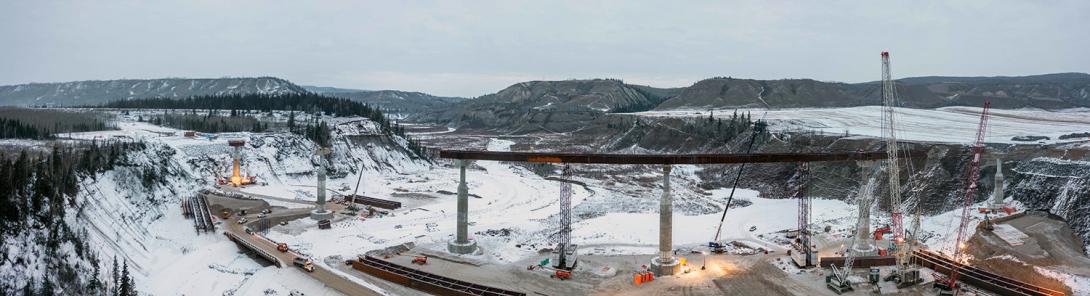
(665,263)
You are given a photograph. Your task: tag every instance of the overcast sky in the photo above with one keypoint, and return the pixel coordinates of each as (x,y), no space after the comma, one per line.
(472,48)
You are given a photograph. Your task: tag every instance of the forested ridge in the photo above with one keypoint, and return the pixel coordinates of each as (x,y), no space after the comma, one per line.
(294,103)
(36,191)
(39,124)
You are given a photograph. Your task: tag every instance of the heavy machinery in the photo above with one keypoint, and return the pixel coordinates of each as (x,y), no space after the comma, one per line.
(971,177)
(716,247)
(758,128)
(897,206)
(838,279)
(304,263)
(561,274)
(880,232)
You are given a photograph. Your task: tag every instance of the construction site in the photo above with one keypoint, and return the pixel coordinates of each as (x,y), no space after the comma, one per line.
(792,245)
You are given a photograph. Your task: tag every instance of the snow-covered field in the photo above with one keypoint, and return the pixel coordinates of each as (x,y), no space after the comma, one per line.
(948,124)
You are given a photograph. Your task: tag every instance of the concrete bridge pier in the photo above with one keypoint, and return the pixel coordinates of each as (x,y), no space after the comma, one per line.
(666,263)
(461,243)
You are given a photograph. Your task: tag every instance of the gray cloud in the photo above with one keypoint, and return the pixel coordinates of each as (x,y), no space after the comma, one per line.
(471,48)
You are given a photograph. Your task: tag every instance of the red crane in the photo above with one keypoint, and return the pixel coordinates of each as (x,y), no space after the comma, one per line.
(970,191)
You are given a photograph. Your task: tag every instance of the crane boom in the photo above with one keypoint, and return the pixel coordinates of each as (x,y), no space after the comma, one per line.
(970,191)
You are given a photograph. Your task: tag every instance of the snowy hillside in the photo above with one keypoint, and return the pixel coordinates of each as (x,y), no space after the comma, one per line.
(142,224)
(97,92)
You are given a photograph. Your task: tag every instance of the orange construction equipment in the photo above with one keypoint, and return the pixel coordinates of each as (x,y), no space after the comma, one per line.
(562,274)
(421,260)
(642,278)
(878,233)
(282,247)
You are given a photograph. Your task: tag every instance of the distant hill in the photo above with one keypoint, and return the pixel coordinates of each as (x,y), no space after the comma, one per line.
(328,89)
(749,93)
(395,101)
(95,92)
(559,106)
(1063,90)
(550,105)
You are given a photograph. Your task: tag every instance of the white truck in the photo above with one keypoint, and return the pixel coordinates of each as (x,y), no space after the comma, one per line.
(304,263)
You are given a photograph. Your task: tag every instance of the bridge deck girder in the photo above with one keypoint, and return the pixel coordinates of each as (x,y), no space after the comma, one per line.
(548,157)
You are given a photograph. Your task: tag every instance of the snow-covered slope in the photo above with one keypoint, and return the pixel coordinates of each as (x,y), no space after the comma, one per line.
(142,224)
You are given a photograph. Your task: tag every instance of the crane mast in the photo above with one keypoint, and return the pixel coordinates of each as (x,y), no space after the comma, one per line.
(889,132)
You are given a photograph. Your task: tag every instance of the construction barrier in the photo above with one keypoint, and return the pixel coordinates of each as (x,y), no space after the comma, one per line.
(643,277)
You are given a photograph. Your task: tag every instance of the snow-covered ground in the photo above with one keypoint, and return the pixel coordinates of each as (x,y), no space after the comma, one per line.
(948,124)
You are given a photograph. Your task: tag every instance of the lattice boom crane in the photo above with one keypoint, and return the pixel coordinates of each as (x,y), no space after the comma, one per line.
(970,191)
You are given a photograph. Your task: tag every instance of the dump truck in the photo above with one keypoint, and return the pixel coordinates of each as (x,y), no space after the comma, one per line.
(304,263)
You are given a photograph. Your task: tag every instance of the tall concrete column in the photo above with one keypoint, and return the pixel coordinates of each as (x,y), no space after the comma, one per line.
(997,195)
(320,212)
(665,263)
(865,245)
(461,243)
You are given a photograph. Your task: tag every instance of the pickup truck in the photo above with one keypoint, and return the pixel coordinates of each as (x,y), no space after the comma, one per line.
(304,263)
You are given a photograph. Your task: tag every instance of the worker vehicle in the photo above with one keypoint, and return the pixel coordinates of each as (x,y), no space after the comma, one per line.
(304,263)
(420,260)
(752,228)
(266,211)
(242,212)
(242,220)
(282,247)
(324,224)
(283,222)
(262,215)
